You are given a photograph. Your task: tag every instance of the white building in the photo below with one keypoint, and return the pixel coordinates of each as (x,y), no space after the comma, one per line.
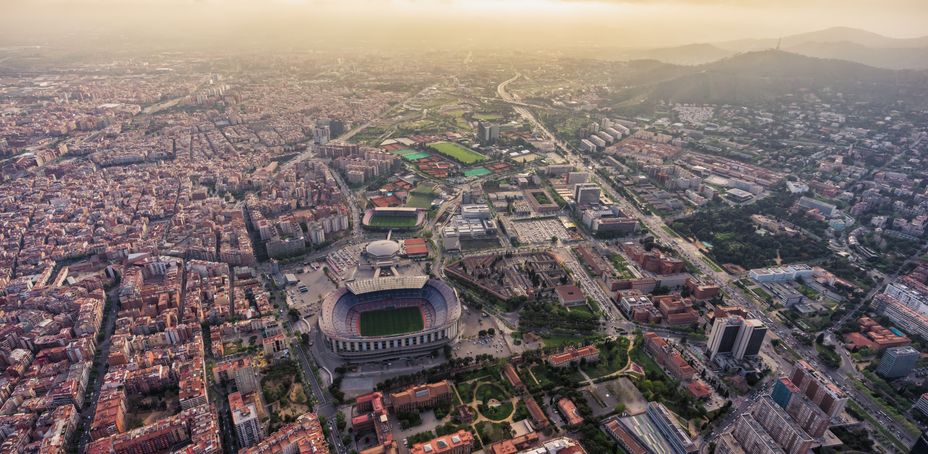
(245,419)
(781,273)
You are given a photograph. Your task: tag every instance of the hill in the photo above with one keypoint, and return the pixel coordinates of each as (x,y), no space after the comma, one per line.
(892,58)
(828,35)
(774,75)
(690,54)
(844,43)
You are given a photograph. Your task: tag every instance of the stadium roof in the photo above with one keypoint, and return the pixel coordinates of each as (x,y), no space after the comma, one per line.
(362,286)
(383,248)
(396,210)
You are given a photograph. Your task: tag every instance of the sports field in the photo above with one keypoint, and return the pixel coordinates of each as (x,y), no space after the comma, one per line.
(457,152)
(416,156)
(410,155)
(477,172)
(421,197)
(387,322)
(393,221)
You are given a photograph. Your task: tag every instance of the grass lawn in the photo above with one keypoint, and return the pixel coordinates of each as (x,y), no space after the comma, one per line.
(393,221)
(486,116)
(457,152)
(488,391)
(498,413)
(808,292)
(558,341)
(541,374)
(387,322)
(609,361)
(492,432)
(421,197)
(466,390)
(762,294)
(582,308)
(541,198)
(621,266)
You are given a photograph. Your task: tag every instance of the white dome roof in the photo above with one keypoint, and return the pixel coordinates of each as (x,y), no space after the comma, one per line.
(383,248)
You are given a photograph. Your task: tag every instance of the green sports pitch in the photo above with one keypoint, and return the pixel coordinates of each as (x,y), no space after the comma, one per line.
(457,152)
(397,222)
(389,322)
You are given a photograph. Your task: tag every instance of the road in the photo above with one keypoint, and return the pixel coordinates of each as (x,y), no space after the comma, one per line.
(324,405)
(590,288)
(99,367)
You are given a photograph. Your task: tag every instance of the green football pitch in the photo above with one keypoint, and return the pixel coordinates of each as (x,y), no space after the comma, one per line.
(457,152)
(387,322)
(396,222)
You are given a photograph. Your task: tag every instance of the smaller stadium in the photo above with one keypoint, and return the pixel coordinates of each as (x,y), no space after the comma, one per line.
(389,317)
(393,218)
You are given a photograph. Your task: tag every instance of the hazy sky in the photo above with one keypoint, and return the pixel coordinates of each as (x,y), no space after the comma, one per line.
(621,23)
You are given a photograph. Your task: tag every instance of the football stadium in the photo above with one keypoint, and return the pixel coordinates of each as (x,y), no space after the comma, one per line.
(393,218)
(391,316)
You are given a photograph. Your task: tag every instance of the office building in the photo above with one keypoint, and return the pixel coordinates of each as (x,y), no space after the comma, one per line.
(476,211)
(587,193)
(723,335)
(487,133)
(750,339)
(898,362)
(781,273)
(578,177)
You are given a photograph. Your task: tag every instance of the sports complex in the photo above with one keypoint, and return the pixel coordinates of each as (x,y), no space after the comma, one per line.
(389,316)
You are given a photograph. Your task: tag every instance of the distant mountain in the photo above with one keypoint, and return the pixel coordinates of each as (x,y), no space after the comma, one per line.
(690,54)
(829,35)
(776,75)
(845,43)
(893,58)
(839,43)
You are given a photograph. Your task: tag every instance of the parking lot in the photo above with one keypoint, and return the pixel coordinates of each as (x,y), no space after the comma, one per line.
(540,230)
(470,342)
(317,284)
(344,259)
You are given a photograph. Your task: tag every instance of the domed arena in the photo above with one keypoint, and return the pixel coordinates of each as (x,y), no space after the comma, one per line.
(389,317)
